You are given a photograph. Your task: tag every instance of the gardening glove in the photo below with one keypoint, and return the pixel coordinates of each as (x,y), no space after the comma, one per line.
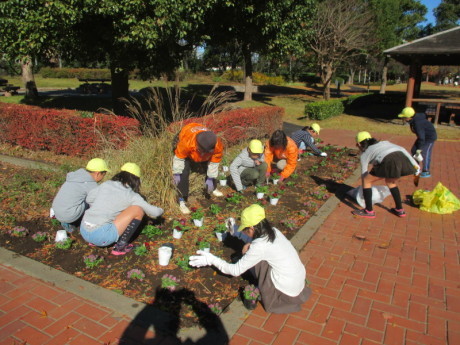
(176,178)
(201,260)
(231,225)
(323,154)
(418,170)
(209,184)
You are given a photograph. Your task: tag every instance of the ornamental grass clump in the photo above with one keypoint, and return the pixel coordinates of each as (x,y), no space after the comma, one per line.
(92,260)
(251,292)
(136,274)
(170,282)
(40,236)
(18,231)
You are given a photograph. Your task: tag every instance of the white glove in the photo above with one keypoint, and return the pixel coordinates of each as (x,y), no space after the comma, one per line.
(231,225)
(323,154)
(217,193)
(418,170)
(201,260)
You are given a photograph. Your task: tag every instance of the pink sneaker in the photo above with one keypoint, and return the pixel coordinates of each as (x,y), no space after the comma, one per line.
(122,251)
(364,213)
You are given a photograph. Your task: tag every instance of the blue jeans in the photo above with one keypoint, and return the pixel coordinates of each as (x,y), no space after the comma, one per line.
(427,149)
(102,236)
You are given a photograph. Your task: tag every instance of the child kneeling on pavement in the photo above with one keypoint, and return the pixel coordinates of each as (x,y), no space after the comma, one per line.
(116,211)
(69,203)
(249,166)
(271,258)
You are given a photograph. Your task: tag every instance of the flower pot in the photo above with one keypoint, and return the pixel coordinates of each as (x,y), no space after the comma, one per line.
(198,222)
(61,235)
(260,195)
(275,181)
(224,168)
(164,254)
(219,236)
(223,182)
(250,304)
(274,201)
(177,234)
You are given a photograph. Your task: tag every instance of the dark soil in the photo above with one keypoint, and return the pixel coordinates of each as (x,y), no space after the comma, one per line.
(26,195)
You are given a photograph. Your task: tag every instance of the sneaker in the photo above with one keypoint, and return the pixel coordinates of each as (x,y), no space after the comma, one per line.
(400,213)
(217,192)
(364,213)
(122,251)
(183,208)
(425,174)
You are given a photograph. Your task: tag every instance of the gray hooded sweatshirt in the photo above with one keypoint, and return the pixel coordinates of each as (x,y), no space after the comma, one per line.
(239,164)
(69,203)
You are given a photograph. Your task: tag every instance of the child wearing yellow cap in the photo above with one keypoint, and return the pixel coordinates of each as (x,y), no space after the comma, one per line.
(69,203)
(249,166)
(116,210)
(271,258)
(304,139)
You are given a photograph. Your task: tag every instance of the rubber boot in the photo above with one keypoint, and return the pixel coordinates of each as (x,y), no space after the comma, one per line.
(122,247)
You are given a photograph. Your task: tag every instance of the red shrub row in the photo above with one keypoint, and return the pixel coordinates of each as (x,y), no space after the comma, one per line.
(241,124)
(63,131)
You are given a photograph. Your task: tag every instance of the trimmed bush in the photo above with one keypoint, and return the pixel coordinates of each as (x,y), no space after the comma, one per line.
(239,125)
(233,75)
(324,109)
(63,131)
(80,73)
(260,78)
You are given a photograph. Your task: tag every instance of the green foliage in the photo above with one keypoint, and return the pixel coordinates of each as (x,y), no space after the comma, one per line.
(215,209)
(40,236)
(64,244)
(141,250)
(322,110)
(55,222)
(260,78)
(182,262)
(220,228)
(151,231)
(80,73)
(233,75)
(261,189)
(234,198)
(203,244)
(92,260)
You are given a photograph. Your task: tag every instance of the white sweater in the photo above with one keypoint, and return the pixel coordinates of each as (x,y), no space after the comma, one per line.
(288,272)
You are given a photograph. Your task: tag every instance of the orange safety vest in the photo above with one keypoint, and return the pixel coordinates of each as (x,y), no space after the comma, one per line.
(187,146)
(289,154)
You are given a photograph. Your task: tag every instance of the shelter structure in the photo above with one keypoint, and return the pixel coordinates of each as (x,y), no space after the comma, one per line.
(440,49)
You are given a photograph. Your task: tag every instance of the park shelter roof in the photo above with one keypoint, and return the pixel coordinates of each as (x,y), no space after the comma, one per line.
(440,49)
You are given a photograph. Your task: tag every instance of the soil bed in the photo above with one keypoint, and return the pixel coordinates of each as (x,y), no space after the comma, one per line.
(26,195)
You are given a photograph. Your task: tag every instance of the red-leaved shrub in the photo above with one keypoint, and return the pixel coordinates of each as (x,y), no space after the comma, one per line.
(62,131)
(241,124)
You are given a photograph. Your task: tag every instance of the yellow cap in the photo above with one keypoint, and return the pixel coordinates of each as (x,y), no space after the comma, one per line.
(407,112)
(132,168)
(362,136)
(256,146)
(316,127)
(97,164)
(251,216)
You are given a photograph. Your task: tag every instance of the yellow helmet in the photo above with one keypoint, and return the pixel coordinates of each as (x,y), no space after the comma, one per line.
(362,136)
(315,127)
(256,146)
(407,112)
(251,216)
(97,164)
(132,168)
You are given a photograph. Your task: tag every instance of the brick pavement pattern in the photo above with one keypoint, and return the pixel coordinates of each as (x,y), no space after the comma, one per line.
(399,286)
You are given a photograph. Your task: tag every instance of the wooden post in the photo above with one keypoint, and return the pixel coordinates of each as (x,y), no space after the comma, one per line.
(411,84)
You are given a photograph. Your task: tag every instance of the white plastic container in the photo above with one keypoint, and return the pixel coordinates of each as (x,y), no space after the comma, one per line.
(164,255)
(223,182)
(224,168)
(177,234)
(219,236)
(274,201)
(275,181)
(206,250)
(198,222)
(260,195)
(61,235)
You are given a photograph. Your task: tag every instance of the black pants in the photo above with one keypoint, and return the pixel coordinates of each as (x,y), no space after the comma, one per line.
(184,184)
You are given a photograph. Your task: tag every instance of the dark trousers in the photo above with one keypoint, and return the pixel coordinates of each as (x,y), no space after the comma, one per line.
(184,184)
(427,149)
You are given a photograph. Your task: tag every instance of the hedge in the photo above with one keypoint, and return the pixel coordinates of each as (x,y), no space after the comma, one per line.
(324,109)
(63,131)
(81,73)
(240,125)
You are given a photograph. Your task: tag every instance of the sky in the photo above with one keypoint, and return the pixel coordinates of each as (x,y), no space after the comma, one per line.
(430,5)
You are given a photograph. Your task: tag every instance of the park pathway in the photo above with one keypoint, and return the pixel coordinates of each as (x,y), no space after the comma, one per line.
(398,286)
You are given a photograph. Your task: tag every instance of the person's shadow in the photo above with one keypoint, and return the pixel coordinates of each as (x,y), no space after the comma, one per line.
(164,316)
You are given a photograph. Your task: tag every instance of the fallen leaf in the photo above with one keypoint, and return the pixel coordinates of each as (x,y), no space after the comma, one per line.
(384,245)
(44,313)
(359,237)
(387,316)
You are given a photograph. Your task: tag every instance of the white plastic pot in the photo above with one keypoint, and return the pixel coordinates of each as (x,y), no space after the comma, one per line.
(273,201)
(275,181)
(164,255)
(177,234)
(61,235)
(224,168)
(260,195)
(219,236)
(198,222)
(223,182)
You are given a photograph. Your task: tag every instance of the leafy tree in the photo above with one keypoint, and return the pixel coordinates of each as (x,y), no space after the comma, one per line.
(447,14)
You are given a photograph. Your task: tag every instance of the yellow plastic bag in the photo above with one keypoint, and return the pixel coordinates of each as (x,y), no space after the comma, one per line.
(440,200)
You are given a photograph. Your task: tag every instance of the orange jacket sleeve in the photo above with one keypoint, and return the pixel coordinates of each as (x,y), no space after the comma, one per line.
(291,154)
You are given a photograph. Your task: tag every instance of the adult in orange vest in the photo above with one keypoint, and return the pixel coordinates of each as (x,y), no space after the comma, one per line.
(282,151)
(196,144)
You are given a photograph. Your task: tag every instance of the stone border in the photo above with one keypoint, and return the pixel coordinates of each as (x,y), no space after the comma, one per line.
(234,315)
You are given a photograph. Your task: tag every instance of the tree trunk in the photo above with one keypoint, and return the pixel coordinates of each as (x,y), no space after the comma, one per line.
(247,73)
(384,76)
(326,76)
(351,77)
(28,79)
(120,89)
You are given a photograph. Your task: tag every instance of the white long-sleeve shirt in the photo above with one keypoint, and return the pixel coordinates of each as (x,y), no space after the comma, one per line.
(288,273)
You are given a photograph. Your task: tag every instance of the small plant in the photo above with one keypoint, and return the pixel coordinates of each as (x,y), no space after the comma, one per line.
(92,260)
(182,262)
(221,177)
(40,236)
(221,228)
(320,193)
(234,198)
(290,183)
(197,213)
(275,195)
(275,176)
(262,189)
(64,244)
(55,222)
(18,231)
(180,225)
(215,308)
(168,281)
(215,209)
(251,292)
(141,250)
(203,244)
(136,274)
(151,231)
